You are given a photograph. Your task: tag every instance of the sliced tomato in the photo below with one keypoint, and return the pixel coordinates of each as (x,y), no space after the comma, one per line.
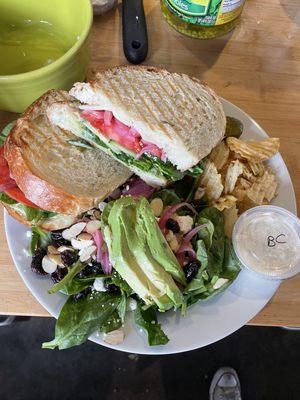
(16,194)
(5,179)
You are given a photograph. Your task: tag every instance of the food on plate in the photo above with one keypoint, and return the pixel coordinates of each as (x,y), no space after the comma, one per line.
(159,124)
(115,243)
(236,178)
(44,179)
(121,259)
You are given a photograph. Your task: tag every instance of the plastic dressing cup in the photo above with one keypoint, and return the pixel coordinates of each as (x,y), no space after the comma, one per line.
(266,240)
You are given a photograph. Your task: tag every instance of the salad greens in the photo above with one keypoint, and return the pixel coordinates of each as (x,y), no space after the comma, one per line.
(78,319)
(39,238)
(66,284)
(145,268)
(147,319)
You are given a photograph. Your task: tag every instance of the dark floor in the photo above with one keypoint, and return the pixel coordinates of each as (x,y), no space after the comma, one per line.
(267,360)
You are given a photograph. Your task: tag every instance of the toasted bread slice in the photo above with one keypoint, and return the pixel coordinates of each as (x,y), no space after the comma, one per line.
(179,114)
(52,173)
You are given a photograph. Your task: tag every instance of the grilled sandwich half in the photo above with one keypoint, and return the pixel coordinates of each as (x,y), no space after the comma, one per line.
(159,124)
(51,176)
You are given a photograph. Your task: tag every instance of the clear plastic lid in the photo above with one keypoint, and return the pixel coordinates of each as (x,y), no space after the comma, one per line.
(266,240)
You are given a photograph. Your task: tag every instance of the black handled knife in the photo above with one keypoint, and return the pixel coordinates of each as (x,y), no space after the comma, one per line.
(134,30)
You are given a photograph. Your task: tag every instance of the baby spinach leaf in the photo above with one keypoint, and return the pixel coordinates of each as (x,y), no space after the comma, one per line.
(75,286)
(63,284)
(39,238)
(113,322)
(122,307)
(78,319)
(206,234)
(169,197)
(147,320)
(216,249)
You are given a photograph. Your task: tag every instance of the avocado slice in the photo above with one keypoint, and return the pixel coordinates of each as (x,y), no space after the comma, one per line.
(130,247)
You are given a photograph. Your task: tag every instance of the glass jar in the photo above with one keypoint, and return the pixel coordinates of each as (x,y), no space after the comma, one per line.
(202,19)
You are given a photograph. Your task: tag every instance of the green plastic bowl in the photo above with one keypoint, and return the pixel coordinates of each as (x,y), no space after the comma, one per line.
(74,19)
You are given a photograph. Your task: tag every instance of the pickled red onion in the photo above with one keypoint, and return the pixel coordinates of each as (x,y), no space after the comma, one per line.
(108,118)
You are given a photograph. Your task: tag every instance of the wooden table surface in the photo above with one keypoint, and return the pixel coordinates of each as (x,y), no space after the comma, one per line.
(257,67)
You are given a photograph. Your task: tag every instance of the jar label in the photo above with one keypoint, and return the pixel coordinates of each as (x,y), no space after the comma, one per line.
(206,12)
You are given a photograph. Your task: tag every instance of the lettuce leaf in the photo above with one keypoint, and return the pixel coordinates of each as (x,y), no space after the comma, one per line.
(147,320)
(146,163)
(31,214)
(5,132)
(78,319)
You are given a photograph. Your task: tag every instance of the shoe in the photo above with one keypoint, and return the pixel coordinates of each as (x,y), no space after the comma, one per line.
(225,385)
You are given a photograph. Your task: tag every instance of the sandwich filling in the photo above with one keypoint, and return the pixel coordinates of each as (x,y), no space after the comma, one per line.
(102,129)
(129,147)
(12,195)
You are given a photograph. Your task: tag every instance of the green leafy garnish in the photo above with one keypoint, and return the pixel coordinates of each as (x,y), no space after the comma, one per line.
(39,238)
(81,143)
(5,132)
(78,319)
(66,282)
(147,320)
(31,214)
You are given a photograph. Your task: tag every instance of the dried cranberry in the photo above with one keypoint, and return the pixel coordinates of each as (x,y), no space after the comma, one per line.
(111,288)
(191,269)
(68,257)
(82,294)
(95,268)
(36,262)
(57,239)
(173,225)
(59,274)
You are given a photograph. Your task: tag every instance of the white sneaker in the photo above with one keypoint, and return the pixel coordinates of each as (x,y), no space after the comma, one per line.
(225,385)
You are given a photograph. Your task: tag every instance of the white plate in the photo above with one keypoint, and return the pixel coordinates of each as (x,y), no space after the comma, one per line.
(205,323)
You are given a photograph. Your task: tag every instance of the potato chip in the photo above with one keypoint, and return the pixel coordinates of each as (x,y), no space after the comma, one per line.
(211,181)
(239,193)
(245,203)
(219,155)
(247,174)
(254,151)
(257,168)
(264,188)
(243,183)
(225,202)
(230,218)
(235,169)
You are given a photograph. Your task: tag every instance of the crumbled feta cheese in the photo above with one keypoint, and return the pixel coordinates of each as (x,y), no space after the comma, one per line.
(86,253)
(131,304)
(200,192)
(220,282)
(185,222)
(99,285)
(102,205)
